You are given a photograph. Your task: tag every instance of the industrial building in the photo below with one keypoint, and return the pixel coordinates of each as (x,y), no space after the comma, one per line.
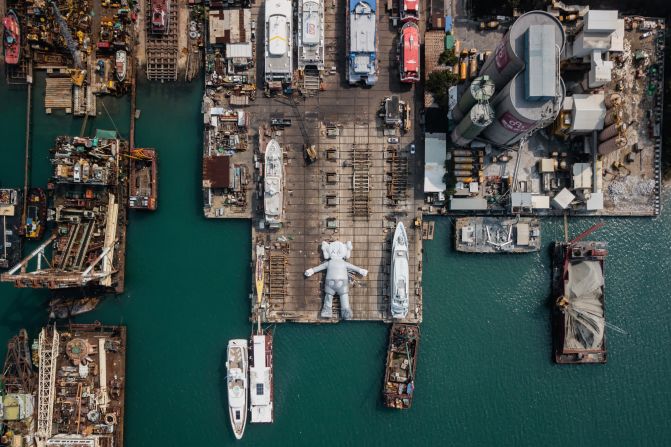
(434,167)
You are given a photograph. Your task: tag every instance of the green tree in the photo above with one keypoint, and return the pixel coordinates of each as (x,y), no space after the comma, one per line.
(448,57)
(439,84)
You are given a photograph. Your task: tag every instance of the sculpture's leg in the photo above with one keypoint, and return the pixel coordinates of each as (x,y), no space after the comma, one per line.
(327,309)
(345,310)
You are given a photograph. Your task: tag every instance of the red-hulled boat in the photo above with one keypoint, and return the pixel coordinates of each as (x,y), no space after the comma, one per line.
(160,16)
(409,57)
(410,11)
(12,38)
(36,214)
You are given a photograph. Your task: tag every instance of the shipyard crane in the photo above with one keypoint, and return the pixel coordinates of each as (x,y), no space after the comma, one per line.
(310,151)
(77,74)
(18,375)
(586,233)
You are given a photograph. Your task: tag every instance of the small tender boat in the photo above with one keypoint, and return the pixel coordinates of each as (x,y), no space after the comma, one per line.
(12,38)
(121,65)
(236,381)
(399,273)
(36,214)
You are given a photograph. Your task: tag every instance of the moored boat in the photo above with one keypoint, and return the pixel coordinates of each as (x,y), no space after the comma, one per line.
(273,183)
(11,38)
(497,234)
(11,202)
(579,308)
(236,385)
(121,65)
(261,378)
(143,185)
(399,273)
(36,214)
(400,370)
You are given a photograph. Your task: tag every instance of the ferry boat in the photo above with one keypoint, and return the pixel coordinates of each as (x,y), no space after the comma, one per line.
(409,53)
(399,273)
(579,311)
(236,379)
(121,65)
(410,11)
(362,64)
(311,35)
(11,38)
(497,234)
(401,367)
(143,183)
(36,214)
(261,378)
(160,16)
(273,179)
(278,44)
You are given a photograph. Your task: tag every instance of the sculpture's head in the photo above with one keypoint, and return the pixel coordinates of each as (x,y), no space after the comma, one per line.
(336,250)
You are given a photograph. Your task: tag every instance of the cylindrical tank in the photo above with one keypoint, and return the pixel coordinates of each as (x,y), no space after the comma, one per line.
(613,116)
(515,116)
(611,145)
(472,124)
(480,90)
(611,131)
(463,70)
(473,67)
(462,153)
(466,173)
(508,57)
(464,166)
(463,159)
(465,179)
(457,47)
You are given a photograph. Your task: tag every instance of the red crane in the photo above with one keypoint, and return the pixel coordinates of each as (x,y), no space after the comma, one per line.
(587,232)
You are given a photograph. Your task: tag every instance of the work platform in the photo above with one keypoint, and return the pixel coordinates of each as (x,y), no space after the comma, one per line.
(357,190)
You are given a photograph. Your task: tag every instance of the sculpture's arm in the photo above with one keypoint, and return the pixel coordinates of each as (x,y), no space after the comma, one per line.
(354,268)
(319,268)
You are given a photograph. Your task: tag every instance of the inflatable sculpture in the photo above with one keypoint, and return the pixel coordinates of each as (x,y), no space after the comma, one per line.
(337,279)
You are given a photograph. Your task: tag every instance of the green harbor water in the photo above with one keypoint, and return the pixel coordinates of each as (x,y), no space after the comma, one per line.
(485,375)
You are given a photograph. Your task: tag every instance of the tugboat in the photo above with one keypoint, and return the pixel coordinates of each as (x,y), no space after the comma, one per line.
(36,214)
(121,65)
(399,273)
(261,378)
(12,38)
(399,377)
(236,379)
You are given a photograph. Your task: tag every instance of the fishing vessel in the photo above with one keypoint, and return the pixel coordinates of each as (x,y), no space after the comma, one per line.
(399,273)
(401,366)
(273,179)
(11,38)
(361,22)
(409,53)
(497,234)
(36,214)
(10,225)
(160,16)
(278,44)
(261,378)
(410,11)
(579,310)
(311,35)
(121,65)
(143,183)
(236,380)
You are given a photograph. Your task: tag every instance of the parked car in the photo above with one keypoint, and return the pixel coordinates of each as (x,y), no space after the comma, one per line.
(392,140)
(412,149)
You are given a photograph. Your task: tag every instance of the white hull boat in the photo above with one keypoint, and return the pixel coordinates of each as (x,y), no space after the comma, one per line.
(236,384)
(399,273)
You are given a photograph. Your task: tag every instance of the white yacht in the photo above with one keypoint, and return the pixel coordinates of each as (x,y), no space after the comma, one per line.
(273,179)
(399,273)
(236,378)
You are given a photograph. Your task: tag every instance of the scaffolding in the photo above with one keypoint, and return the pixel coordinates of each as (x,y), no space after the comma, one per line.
(277,277)
(361,181)
(17,373)
(397,180)
(48,355)
(162,49)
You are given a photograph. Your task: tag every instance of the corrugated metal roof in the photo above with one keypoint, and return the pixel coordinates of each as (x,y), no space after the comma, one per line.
(589,112)
(435,153)
(599,20)
(239,50)
(541,63)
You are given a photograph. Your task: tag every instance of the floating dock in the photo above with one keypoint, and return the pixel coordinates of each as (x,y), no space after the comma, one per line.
(11,204)
(143,184)
(497,234)
(161,45)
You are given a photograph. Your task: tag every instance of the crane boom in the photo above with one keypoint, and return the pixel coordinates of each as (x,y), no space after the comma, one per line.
(587,232)
(65,32)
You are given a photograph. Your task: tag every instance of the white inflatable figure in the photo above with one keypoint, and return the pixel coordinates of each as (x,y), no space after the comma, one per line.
(337,278)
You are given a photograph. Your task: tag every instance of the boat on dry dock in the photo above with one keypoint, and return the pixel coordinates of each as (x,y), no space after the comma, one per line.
(399,273)
(36,214)
(497,234)
(579,309)
(273,195)
(121,64)
(261,378)
(143,183)
(400,370)
(160,16)
(311,35)
(11,38)
(278,44)
(236,385)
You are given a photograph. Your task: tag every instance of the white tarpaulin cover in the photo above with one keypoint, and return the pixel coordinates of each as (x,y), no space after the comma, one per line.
(585,319)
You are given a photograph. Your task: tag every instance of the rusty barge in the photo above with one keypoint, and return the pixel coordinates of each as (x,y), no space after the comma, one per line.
(11,205)
(89,206)
(401,366)
(69,391)
(143,184)
(579,306)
